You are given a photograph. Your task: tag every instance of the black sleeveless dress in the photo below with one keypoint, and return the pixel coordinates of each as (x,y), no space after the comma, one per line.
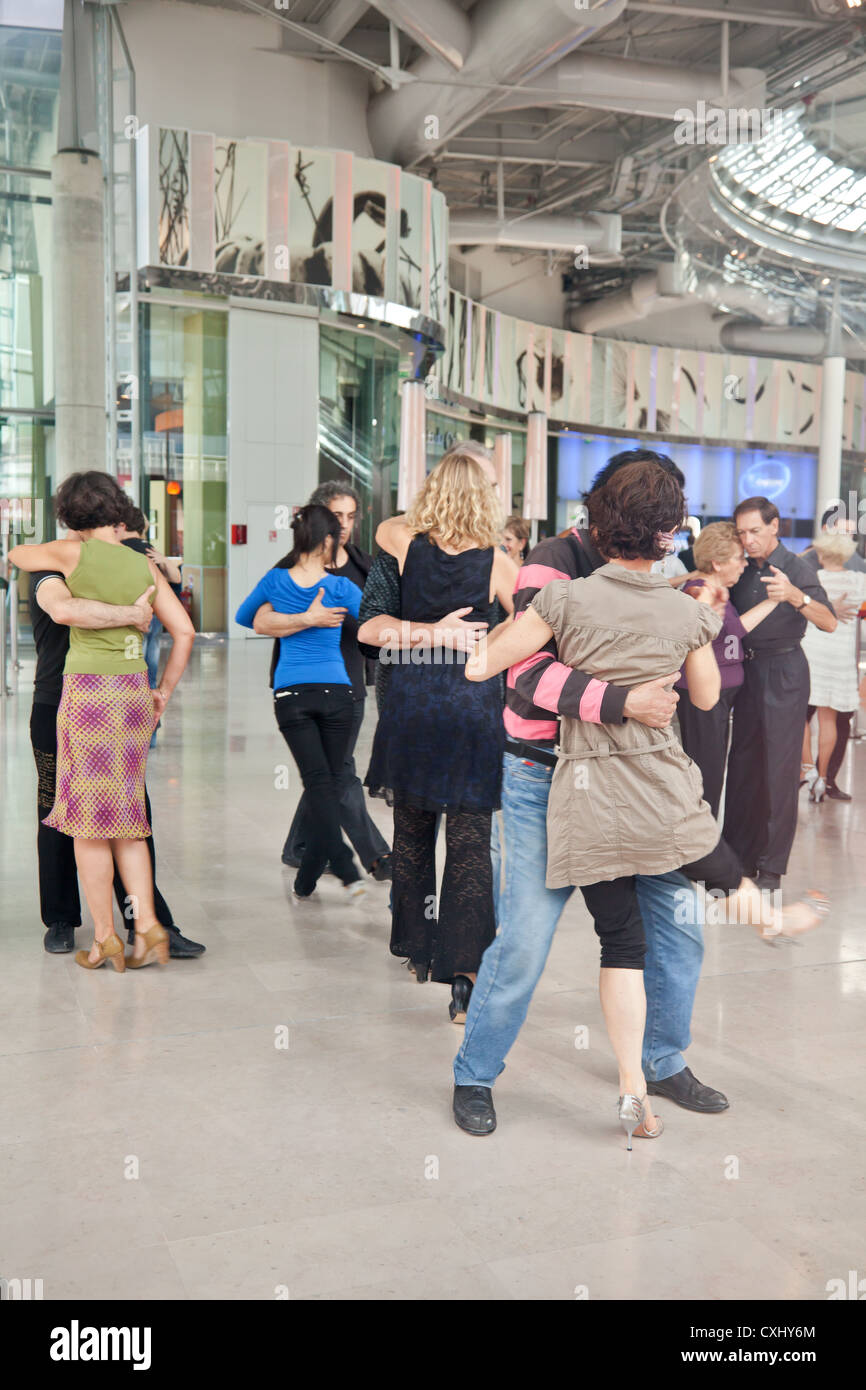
(440,738)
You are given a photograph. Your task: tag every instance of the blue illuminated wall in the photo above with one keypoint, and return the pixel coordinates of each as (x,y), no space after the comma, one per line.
(716,478)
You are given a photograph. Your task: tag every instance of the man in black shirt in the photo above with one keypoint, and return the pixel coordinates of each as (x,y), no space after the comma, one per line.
(53,610)
(354,564)
(770,708)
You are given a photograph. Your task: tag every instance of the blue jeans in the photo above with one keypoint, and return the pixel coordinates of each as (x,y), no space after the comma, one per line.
(152,644)
(527,914)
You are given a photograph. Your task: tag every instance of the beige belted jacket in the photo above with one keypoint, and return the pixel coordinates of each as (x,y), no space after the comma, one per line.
(625,799)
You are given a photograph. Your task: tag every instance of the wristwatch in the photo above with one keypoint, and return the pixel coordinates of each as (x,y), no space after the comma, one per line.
(806,599)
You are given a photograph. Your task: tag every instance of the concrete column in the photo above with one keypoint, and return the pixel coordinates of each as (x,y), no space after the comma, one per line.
(830,447)
(79,311)
(413,443)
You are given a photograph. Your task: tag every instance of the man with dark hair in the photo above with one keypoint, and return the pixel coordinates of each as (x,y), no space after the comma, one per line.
(770,707)
(527,912)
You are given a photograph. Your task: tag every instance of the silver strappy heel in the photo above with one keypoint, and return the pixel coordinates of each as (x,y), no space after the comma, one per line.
(632,1113)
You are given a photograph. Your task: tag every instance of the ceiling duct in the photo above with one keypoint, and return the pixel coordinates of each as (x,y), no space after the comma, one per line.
(511,41)
(762,341)
(650,293)
(598,233)
(662,90)
(438,26)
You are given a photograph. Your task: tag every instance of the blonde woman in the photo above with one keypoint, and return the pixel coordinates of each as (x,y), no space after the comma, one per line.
(439,741)
(833,675)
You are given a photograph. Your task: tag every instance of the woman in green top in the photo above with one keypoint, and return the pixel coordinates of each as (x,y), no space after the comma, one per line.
(108,712)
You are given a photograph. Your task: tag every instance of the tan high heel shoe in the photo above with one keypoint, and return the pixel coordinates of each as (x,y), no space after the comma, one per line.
(109,949)
(155,947)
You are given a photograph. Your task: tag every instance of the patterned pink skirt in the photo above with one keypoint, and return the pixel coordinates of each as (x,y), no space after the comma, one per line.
(104,724)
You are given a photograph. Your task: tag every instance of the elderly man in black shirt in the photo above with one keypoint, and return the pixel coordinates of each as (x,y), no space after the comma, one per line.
(770,709)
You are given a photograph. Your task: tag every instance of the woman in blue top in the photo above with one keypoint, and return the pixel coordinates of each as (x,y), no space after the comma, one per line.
(312,690)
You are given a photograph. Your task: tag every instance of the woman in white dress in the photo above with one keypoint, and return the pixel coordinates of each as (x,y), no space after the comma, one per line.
(832,658)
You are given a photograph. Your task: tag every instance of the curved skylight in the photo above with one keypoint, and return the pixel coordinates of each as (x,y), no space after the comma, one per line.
(785,179)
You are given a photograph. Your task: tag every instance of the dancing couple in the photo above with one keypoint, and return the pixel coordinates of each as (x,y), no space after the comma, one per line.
(626,820)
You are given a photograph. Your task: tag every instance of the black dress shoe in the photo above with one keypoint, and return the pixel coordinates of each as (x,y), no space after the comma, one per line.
(473,1109)
(180,947)
(59,938)
(769,881)
(836,794)
(686,1090)
(381,868)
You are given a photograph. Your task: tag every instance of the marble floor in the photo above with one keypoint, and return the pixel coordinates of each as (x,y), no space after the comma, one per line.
(273,1119)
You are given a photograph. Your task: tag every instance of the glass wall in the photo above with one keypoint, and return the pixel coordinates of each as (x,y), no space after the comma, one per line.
(359,420)
(29,86)
(184,448)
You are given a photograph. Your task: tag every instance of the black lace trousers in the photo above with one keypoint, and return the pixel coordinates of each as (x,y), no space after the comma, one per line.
(447,938)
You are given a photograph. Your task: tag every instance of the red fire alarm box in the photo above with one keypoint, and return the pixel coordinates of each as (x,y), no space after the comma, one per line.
(239,535)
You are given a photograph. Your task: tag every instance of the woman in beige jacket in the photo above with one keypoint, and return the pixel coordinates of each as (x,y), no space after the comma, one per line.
(625,798)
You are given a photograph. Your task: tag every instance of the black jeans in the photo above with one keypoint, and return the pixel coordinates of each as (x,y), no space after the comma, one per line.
(355,819)
(59,900)
(316,722)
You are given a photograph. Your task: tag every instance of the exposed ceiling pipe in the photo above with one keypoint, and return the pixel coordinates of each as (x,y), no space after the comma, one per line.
(438,26)
(760,340)
(650,293)
(512,41)
(600,233)
(746,299)
(661,90)
(669,288)
(776,16)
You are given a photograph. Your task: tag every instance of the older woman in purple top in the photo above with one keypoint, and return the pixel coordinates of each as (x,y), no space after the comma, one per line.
(719,563)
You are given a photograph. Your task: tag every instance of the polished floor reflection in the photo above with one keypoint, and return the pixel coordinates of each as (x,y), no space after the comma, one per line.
(273,1119)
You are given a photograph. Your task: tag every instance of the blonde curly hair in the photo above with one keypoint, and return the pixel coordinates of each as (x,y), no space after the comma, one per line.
(457,503)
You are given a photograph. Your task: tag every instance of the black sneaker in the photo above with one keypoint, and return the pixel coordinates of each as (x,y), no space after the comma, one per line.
(473,1109)
(686,1090)
(59,938)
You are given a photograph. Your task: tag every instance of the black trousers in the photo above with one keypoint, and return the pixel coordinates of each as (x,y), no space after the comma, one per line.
(704,736)
(59,900)
(843,733)
(447,938)
(764,764)
(316,722)
(615,910)
(355,819)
